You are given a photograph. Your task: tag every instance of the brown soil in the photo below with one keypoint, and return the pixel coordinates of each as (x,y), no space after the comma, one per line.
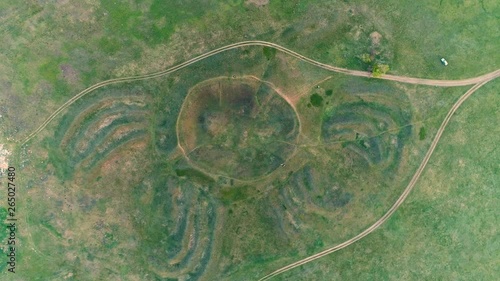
(110,167)
(258,3)
(69,74)
(375,37)
(4,163)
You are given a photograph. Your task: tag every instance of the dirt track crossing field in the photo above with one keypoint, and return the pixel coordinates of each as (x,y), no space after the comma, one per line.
(403,79)
(477,82)
(397,204)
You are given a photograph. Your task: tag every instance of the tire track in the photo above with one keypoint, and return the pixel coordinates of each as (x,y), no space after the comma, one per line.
(476,81)
(403,79)
(400,200)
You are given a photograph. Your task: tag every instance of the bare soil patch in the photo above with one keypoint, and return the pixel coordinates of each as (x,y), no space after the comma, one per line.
(258,3)
(4,164)
(69,74)
(376,38)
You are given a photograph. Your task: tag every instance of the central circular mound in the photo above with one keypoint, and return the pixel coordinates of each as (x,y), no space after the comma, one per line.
(241,128)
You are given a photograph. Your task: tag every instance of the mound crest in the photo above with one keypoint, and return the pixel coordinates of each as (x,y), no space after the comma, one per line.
(361,129)
(239,128)
(180,230)
(90,131)
(371,127)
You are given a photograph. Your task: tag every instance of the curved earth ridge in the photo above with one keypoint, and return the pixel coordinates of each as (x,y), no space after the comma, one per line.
(398,202)
(477,82)
(404,79)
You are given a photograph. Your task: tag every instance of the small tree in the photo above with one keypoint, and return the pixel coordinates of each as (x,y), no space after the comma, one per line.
(379,69)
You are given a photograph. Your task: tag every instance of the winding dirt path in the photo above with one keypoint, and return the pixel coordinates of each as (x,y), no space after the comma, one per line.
(403,79)
(398,202)
(476,81)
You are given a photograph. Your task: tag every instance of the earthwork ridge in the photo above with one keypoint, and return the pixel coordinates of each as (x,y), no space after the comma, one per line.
(183,219)
(368,116)
(398,202)
(87,136)
(106,134)
(403,79)
(362,129)
(185,249)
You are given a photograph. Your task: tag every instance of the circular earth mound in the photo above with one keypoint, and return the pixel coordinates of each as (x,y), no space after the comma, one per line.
(241,128)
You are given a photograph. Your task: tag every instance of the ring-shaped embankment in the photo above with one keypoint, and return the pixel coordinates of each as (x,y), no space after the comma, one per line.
(241,128)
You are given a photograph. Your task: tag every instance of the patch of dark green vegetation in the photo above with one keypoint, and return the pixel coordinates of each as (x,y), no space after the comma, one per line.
(165,139)
(50,70)
(315,247)
(269,52)
(48,225)
(109,240)
(422,133)
(63,167)
(329,92)
(109,45)
(316,100)
(163,205)
(3,217)
(163,125)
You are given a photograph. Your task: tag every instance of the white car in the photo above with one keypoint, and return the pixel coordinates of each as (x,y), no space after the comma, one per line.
(444,61)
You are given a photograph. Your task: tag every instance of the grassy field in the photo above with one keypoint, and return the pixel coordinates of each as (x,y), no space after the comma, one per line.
(72,46)
(250,159)
(448,228)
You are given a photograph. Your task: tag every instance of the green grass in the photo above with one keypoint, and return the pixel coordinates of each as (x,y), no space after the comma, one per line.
(269,52)
(50,70)
(155,25)
(231,133)
(422,133)
(316,100)
(447,227)
(195,175)
(109,45)
(285,213)
(128,220)
(52,229)
(231,195)
(288,10)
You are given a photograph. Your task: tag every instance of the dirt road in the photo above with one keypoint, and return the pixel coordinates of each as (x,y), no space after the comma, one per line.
(403,79)
(400,200)
(476,81)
